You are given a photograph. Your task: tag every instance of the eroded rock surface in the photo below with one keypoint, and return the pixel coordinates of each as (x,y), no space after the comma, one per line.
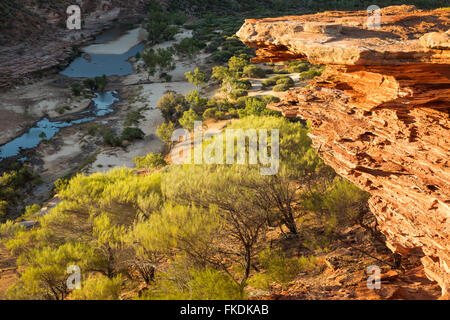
(379,114)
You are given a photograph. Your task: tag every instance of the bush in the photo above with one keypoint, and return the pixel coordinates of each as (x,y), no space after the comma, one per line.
(207,284)
(172,106)
(281,269)
(132,134)
(237,93)
(310,74)
(178,18)
(99,288)
(77,89)
(270,99)
(281,87)
(287,80)
(188,119)
(165,132)
(189,47)
(253,71)
(297,66)
(150,161)
(221,56)
(240,84)
(110,138)
(210,113)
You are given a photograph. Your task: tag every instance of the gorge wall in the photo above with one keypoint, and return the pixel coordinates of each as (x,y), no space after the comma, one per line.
(380,114)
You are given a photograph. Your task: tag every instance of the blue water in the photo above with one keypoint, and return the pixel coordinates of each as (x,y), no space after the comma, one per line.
(102,64)
(102,106)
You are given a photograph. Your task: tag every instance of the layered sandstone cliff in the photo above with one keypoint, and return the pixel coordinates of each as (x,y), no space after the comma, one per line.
(379,114)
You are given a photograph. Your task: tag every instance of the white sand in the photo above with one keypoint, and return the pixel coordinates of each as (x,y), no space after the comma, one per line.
(118,46)
(117,157)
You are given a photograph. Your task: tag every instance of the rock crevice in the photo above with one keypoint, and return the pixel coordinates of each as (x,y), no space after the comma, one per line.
(380,114)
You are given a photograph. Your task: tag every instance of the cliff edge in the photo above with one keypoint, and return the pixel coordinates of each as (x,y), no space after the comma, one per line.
(379,114)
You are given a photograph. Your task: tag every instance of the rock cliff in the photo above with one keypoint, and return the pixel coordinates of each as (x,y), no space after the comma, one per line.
(379,114)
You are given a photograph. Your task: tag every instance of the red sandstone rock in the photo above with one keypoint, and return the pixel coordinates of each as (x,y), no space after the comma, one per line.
(379,114)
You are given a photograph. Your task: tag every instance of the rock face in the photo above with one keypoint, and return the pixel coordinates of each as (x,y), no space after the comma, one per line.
(379,114)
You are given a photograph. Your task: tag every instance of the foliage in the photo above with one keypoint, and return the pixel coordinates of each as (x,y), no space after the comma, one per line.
(196,101)
(172,106)
(77,88)
(236,93)
(253,71)
(188,119)
(97,83)
(281,269)
(150,161)
(131,134)
(98,288)
(160,60)
(206,284)
(165,132)
(189,47)
(197,78)
(281,87)
(158,27)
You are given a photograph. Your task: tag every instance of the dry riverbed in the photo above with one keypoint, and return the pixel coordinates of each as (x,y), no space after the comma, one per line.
(73,149)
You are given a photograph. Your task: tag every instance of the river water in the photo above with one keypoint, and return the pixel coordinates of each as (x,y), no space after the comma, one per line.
(46,129)
(122,46)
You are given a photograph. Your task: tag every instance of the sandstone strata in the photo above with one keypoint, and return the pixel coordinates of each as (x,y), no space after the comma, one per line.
(379,114)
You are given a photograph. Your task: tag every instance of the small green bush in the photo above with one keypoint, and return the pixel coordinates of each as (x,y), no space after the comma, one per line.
(253,71)
(281,269)
(132,134)
(281,87)
(210,113)
(150,161)
(237,93)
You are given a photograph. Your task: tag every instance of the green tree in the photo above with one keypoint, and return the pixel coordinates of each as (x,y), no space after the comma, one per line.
(150,161)
(98,288)
(236,65)
(196,101)
(172,106)
(160,60)
(188,119)
(165,132)
(198,78)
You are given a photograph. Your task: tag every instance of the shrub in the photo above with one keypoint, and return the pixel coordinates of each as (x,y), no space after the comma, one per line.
(98,288)
(237,93)
(196,101)
(110,138)
(150,161)
(178,18)
(188,119)
(210,113)
(220,115)
(132,134)
(281,87)
(189,47)
(221,56)
(310,74)
(297,66)
(253,71)
(77,88)
(281,269)
(270,99)
(286,80)
(240,84)
(165,132)
(172,106)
